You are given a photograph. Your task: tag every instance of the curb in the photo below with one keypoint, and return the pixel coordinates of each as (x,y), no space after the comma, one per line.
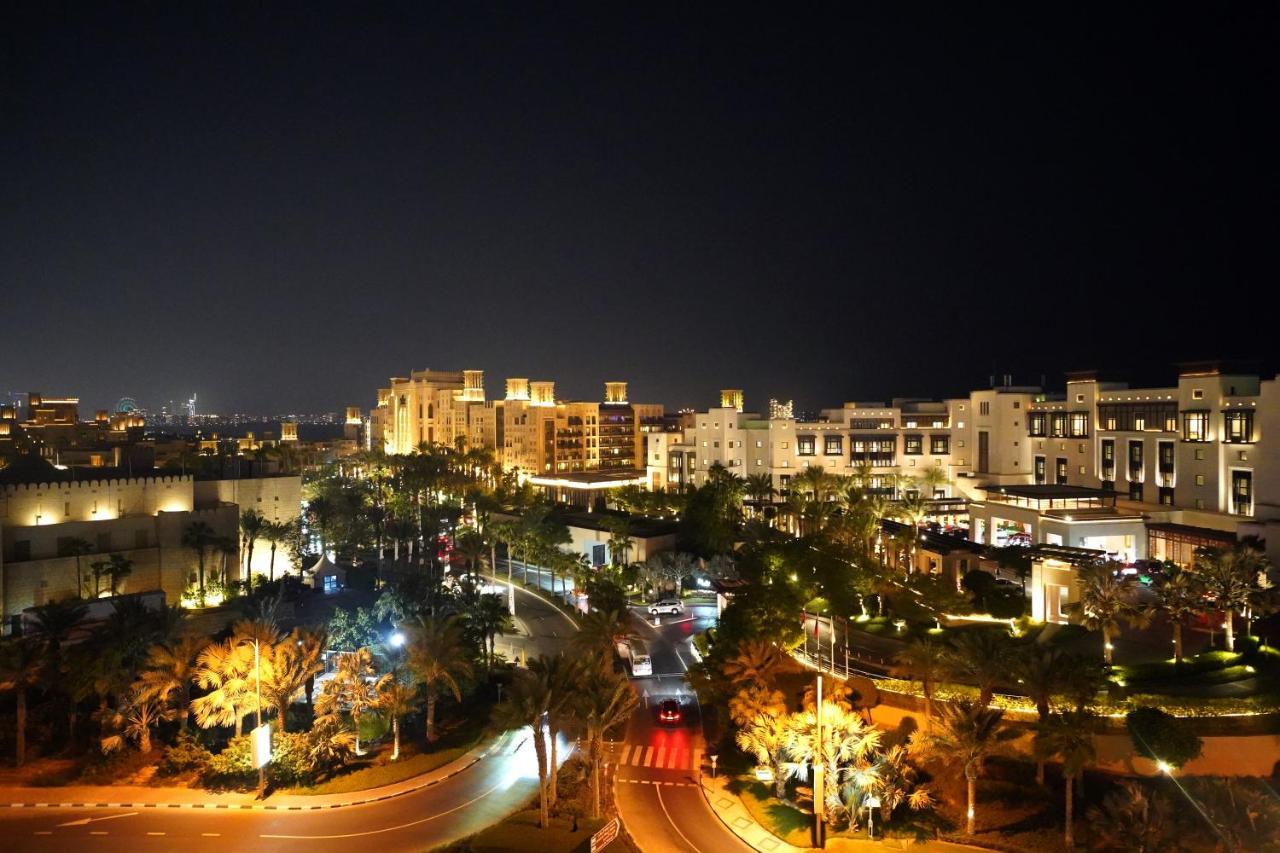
(260,806)
(538,594)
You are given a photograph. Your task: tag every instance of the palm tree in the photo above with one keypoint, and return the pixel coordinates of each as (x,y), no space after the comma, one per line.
(313,643)
(756,662)
(76,548)
(934,479)
(966,735)
(560,677)
(395,700)
(56,621)
(288,666)
(277,533)
(168,674)
(1179,596)
(927,662)
(766,739)
(600,631)
(489,618)
(1068,737)
(526,705)
(980,656)
(1041,672)
(1229,577)
(21,666)
(439,658)
(226,670)
(603,702)
(199,536)
(1105,601)
(1132,819)
(353,688)
(760,487)
(135,721)
(119,567)
(755,701)
(842,747)
(252,524)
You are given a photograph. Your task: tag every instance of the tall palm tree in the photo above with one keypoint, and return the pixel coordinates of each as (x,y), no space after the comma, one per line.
(560,676)
(290,665)
(1229,576)
(526,705)
(980,656)
(488,617)
(168,673)
(600,631)
(22,664)
(1105,601)
(199,536)
(1179,597)
(966,735)
(755,662)
(1069,738)
(603,701)
(354,688)
(439,659)
(77,548)
(759,487)
(934,479)
(313,642)
(927,662)
(1041,671)
(395,700)
(56,621)
(277,533)
(252,524)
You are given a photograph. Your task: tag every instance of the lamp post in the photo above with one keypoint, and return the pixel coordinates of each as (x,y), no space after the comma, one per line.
(818,775)
(257,710)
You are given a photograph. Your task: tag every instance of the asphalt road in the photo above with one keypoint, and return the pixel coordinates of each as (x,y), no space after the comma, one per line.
(655,768)
(463,805)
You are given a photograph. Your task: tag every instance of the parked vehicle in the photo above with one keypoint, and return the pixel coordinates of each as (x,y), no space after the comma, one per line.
(667,607)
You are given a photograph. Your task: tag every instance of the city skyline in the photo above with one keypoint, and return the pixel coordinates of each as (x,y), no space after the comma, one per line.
(775,204)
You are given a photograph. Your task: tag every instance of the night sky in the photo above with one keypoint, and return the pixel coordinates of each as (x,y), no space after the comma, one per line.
(279,207)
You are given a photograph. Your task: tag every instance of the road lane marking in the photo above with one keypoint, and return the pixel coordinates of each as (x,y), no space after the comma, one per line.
(88,820)
(657,789)
(500,784)
(155,833)
(648,756)
(662,754)
(43,832)
(211,834)
(98,832)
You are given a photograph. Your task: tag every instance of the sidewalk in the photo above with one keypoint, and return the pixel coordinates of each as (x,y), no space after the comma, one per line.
(729,808)
(733,814)
(130,797)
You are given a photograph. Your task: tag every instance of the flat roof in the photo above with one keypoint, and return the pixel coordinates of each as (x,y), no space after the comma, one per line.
(588,479)
(1066,553)
(1048,491)
(641,527)
(939,543)
(1193,531)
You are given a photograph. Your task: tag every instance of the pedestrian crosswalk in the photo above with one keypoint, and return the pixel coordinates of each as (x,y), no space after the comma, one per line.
(658,757)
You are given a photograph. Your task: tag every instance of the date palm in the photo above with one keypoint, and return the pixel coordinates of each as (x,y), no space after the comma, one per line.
(1229,576)
(755,662)
(354,688)
(22,664)
(755,701)
(980,656)
(226,670)
(526,705)
(289,666)
(966,735)
(396,699)
(168,673)
(252,525)
(135,720)
(199,537)
(277,533)
(843,748)
(560,676)
(927,662)
(599,631)
(1105,601)
(439,659)
(603,701)
(1179,597)
(1069,738)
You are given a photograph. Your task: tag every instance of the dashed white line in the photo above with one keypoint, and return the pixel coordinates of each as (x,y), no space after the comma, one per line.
(211,834)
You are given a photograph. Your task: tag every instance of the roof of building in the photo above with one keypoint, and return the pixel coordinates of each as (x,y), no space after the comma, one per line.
(640,527)
(1048,491)
(1066,553)
(1190,531)
(937,543)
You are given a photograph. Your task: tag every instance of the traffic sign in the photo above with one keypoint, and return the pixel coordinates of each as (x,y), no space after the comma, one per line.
(607,833)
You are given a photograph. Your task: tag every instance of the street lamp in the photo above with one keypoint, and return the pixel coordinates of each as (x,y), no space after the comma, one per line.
(1164,767)
(396,640)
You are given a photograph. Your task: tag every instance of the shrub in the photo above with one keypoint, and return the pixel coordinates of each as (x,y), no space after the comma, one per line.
(187,754)
(1161,737)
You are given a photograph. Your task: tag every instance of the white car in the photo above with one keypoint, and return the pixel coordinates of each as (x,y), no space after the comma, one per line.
(668,606)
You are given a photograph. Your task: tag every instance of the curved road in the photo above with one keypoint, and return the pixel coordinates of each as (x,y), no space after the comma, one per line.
(502,781)
(467,803)
(657,767)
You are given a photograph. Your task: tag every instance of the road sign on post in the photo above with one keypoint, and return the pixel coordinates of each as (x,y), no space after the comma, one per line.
(260,738)
(605,836)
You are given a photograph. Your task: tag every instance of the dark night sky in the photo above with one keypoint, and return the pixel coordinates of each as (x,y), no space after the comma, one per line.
(279,209)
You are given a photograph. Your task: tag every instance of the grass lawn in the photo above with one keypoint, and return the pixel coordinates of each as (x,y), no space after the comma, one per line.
(785,821)
(378,774)
(521,832)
